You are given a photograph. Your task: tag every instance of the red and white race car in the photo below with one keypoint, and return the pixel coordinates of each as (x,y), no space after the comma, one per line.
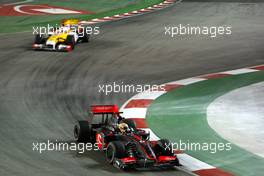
(124,145)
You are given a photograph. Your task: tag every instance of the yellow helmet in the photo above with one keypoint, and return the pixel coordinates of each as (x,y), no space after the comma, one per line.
(69,22)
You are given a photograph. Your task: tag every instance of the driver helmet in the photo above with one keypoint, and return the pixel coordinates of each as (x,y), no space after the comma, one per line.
(69,22)
(123,127)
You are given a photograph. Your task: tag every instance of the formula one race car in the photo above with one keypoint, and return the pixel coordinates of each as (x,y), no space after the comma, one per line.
(125,146)
(63,38)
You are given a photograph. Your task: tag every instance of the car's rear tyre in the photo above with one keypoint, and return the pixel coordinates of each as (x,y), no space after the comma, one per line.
(115,149)
(163,148)
(70,41)
(82,131)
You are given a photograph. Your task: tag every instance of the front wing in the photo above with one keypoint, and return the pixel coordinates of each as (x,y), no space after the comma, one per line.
(161,161)
(60,47)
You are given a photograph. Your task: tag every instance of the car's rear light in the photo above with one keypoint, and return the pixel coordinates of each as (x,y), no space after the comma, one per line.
(34,45)
(68,48)
(98,109)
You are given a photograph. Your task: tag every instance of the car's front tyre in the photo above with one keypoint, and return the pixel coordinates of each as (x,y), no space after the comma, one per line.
(70,41)
(115,149)
(85,38)
(163,147)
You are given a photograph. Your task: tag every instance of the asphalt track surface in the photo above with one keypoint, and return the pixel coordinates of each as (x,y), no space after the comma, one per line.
(43,93)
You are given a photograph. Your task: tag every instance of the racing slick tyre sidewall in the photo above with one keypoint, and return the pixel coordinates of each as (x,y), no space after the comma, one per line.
(162,148)
(70,41)
(82,131)
(115,149)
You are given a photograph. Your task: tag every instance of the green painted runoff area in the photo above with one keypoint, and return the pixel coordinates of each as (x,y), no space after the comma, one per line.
(180,115)
(101,8)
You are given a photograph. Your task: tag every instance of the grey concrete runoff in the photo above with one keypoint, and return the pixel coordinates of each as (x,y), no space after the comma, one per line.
(238,117)
(42,94)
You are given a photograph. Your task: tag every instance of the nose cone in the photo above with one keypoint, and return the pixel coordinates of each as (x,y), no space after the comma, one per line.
(51,42)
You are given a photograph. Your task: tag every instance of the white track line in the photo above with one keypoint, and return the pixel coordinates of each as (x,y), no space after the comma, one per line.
(21,2)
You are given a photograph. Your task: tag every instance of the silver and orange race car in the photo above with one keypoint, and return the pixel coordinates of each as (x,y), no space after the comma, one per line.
(62,38)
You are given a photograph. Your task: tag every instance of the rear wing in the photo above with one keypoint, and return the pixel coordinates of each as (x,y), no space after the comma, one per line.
(104,109)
